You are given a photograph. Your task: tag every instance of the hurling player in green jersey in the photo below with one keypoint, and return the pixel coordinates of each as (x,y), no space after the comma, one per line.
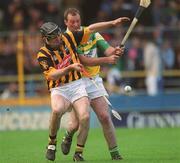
(100,107)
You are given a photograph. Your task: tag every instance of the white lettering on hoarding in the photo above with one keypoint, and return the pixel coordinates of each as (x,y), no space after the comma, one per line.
(140,120)
(24,120)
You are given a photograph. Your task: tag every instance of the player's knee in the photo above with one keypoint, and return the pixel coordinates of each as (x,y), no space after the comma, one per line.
(105,118)
(57,110)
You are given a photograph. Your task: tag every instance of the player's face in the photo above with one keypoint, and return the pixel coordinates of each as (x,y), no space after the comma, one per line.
(73,22)
(54,42)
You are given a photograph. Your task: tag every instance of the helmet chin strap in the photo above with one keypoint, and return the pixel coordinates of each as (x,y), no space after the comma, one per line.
(46,40)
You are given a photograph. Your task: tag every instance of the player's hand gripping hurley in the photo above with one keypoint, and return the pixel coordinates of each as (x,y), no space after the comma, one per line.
(142,6)
(114,112)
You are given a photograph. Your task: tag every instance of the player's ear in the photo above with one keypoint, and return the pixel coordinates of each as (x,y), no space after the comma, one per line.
(65,22)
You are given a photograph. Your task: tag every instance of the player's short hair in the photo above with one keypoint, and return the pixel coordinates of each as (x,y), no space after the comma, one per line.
(50,30)
(72,11)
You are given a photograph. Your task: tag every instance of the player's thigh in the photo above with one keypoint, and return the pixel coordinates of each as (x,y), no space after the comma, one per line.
(59,103)
(81,106)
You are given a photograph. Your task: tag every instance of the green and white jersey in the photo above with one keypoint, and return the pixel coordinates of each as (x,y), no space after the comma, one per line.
(90,49)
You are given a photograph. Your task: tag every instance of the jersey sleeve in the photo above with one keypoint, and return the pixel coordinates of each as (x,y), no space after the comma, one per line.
(46,64)
(102,44)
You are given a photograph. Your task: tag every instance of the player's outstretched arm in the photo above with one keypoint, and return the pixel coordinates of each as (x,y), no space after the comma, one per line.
(105,25)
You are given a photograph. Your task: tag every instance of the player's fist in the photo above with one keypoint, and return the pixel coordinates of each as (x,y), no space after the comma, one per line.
(112,59)
(119,21)
(76,66)
(119,51)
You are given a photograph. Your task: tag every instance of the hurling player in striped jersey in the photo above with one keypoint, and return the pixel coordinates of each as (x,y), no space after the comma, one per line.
(62,69)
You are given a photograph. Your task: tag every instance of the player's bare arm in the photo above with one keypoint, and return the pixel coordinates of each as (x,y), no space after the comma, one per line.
(87,61)
(105,25)
(57,73)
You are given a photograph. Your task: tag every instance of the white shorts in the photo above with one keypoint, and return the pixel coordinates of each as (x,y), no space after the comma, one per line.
(92,90)
(71,91)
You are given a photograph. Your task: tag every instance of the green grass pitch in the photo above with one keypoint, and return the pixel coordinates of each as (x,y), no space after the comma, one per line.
(161,145)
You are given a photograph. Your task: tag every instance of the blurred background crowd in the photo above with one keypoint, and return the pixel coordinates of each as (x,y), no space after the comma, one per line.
(154,46)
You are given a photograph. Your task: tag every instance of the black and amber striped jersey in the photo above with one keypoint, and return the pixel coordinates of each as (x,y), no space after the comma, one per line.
(50,60)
